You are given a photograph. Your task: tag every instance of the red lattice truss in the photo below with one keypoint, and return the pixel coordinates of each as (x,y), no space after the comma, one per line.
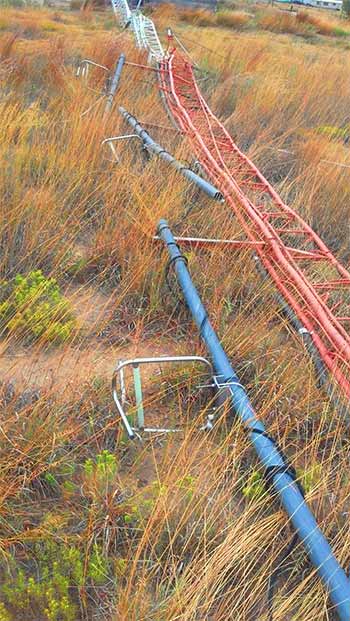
(314,284)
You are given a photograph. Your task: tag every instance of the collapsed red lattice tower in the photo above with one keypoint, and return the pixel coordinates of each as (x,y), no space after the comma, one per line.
(292,253)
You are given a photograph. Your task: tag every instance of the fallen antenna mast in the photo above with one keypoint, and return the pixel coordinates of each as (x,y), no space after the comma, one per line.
(278,474)
(293,250)
(156,148)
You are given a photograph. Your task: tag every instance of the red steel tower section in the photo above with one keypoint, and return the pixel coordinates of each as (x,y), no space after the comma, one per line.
(310,278)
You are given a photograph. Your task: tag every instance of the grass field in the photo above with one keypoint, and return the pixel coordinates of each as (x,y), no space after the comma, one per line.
(92,526)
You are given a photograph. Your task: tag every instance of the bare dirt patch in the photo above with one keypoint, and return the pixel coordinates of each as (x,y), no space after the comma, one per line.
(62,368)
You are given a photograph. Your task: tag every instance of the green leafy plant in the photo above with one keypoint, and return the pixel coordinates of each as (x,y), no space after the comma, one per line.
(48,593)
(187,483)
(52,593)
(5,615)
(334,133)
(100,474)
(138,514)
(311,477)
(34,307)
(98,567)
(254,487)
(50,479)
(104,467)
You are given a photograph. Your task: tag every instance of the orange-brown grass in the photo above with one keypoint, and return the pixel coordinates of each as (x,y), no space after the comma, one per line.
(321,24)
(232,19)
(202,17)
(282,22)
(198,17)
(170,527)
(304,23)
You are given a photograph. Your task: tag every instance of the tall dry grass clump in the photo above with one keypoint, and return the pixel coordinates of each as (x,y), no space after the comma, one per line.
(282,22)
(321,25)
(197,17)
(223,18)
(303,23)
(232,19)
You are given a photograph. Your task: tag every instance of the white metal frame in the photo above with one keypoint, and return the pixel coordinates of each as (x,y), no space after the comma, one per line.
(110,141)
(147,37)
(122,11)
(143,27)
(120,400)
(85,64)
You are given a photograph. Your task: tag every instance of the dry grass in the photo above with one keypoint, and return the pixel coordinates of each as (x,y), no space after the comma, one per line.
(303,23)
(322,25)
(175,536)
(282,22)
(232,19)
(235,20)
(198,17)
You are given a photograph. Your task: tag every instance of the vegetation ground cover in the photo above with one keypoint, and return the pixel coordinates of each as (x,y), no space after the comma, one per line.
(179,528)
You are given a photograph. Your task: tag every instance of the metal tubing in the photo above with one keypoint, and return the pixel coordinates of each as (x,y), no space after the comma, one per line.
(83,67)
(205,242)
(113,139)
(317,547)
(136,362)
(153,146)
(138,397)
(114,83)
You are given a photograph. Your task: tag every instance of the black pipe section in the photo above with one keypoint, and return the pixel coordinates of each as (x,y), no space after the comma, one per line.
(115,82)
(156,148)
(278,474)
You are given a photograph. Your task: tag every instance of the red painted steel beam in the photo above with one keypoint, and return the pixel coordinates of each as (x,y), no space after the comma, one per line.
(266,218)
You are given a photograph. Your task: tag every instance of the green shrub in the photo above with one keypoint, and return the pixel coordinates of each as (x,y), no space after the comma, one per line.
(334,133)
(188,484)
(51,592)
(34,307)
(329,131)
(100,475)
(48,592)
(254,487)
(98,567)
(104,467)
(339,32)
(311,477)
(48,26)
(4,613)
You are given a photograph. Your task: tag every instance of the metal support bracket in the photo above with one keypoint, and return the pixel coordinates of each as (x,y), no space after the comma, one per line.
(120,397)
(113,139)
(85,64)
